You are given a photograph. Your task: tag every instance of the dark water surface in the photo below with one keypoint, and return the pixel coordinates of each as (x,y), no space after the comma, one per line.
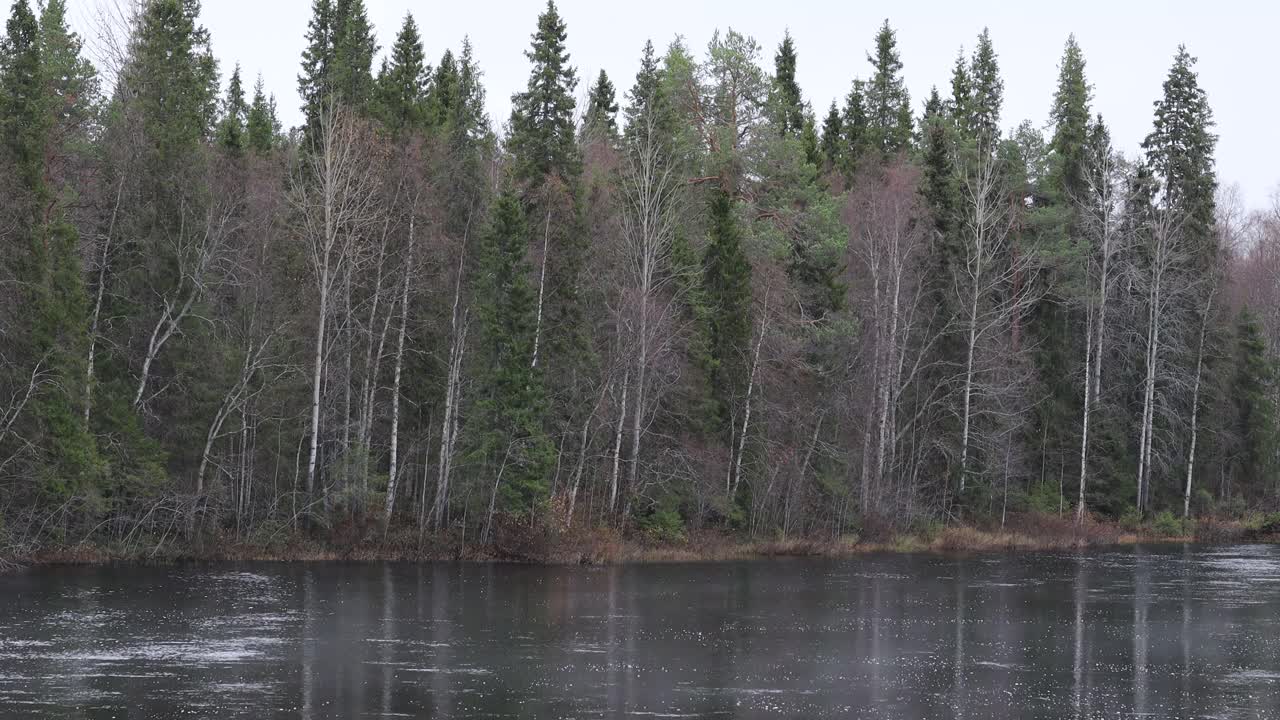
(1155,632)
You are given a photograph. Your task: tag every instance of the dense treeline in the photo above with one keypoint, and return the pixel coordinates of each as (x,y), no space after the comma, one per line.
(680,304)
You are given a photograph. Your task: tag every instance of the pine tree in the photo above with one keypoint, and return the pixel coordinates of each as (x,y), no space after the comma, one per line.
(402,82)
(174,75)
(261,126)
(510,437)
(71,82)
(235,115)
(1179,153)
(1070,119)
(988,93)
(602,109)
(542,138)
(727,285)
(790,105)
(888,104)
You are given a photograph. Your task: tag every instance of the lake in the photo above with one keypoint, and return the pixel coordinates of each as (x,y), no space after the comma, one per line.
(1160,632)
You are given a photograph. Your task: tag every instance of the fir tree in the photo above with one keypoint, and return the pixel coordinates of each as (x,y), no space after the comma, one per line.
(602,109)
(888,104)
(790,105)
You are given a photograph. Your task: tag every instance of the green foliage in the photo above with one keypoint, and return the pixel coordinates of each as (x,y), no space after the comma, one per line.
(509,438)
(235,116)
(602,109)
(727,284)
(401,95)
(888,104)
(542,140)
(787,99)
(1166,524)
(262,126)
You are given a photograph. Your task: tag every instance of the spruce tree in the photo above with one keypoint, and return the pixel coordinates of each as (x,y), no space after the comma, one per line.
(315,82)
(542,139)
(1070,119)
(727,287)
(354,48)
(509,436)
(832,141)
(988,93)
(960,107)
(1252,397)
(402,82)
(1179,154)
(888,104)
(45,338)
(855,129)
(261,125)
(235,115)
(790,104)
(602,110)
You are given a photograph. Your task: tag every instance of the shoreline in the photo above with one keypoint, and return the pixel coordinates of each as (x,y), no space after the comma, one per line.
(604,546)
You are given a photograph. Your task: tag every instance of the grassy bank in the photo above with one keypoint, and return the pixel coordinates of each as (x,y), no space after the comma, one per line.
(1023,533)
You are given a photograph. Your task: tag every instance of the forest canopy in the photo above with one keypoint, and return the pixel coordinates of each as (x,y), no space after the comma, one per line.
(690,300)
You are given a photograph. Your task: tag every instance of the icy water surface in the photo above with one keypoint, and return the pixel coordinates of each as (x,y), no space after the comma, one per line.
(1165,632)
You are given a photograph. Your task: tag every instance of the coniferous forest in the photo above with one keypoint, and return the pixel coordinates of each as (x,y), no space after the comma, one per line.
(658,304)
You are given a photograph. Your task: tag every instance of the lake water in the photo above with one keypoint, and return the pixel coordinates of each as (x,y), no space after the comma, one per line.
(1163,632)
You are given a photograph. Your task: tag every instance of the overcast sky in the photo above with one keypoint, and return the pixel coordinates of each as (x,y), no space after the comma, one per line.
(1128,47)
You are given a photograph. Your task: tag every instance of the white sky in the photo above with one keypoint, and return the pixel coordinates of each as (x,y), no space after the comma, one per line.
(1128,46)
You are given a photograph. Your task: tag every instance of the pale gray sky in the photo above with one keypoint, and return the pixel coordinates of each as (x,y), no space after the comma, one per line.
(1128,46)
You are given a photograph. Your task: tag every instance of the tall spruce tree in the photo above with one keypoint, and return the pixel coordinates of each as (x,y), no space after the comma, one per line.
(1179,154)
(601,118)
(832,139)
(1252,395)
(888,104)
(790,104)
(44,326)
(235,115)
(855,129)
(727,287)
(510,437)
(402,83)
(261,125)
(542,139)
(988,93)
(1070,119)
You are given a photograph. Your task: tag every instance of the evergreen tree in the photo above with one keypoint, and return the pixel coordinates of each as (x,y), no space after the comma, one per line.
(71,82)
(261,127)
(888,104)
(602,109)
(1252,396)
(727,285)
(510,437)
(960,107)
(941,192)
(542,139)
(235,115)
(315,83)
(855,129)
(442,91)
(988,93)
(354,48)
(45,337)
(402,82)
(174,75)
(1179,153)
(832,141)
(790,105)
(1070,119)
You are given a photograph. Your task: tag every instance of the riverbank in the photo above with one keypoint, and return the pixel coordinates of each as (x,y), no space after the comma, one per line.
(603,546)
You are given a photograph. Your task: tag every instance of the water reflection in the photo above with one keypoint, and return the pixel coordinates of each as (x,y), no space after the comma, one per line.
(1165,632)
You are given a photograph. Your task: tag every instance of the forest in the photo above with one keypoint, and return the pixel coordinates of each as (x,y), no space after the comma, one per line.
(659,304)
